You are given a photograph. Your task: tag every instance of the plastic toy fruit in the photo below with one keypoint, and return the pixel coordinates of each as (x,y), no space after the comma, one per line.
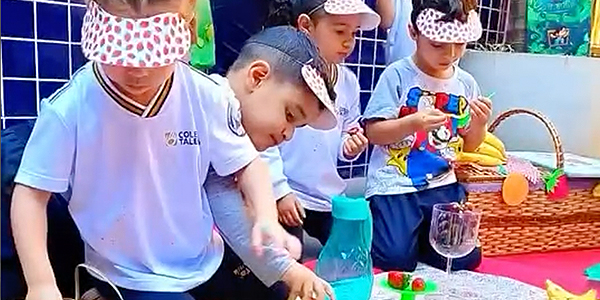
(556,183)
(515,189)
(396,279)
(555,292)
(406,285)
(417,284)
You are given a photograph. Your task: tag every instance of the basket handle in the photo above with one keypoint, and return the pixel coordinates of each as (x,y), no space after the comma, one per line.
(560,157)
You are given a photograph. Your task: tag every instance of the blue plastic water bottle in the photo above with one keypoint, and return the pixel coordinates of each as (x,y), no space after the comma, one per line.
(345,261)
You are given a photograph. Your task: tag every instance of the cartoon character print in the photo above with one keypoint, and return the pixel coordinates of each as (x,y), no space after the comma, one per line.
(425,156)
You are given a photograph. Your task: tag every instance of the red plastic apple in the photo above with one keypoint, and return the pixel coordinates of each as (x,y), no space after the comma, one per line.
(396,279)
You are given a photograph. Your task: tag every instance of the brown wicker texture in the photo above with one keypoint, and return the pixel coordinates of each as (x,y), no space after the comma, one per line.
(538,224)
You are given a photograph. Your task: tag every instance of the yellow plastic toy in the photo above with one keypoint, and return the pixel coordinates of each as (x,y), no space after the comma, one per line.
(490,153)
(555,292)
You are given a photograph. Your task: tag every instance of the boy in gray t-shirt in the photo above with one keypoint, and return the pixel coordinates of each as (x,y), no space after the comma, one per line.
(412,119)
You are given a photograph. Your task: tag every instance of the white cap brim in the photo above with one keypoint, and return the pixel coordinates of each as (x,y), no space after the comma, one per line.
(369,18)
(327,120)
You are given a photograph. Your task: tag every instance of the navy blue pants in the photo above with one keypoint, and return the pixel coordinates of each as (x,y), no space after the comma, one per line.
(401,230)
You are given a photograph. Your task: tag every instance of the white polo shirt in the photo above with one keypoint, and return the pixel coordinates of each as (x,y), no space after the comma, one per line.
(135,174)
(307,164)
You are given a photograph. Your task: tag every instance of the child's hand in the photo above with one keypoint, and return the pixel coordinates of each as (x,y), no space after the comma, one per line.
(291,212)
(305,284)
(429,119)
(356,143)
(481,109)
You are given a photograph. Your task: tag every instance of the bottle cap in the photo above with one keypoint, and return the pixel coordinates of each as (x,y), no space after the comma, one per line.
(346,208)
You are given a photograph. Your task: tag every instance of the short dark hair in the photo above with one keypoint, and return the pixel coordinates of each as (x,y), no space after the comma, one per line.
(286,49)
(286,12)
(453,9)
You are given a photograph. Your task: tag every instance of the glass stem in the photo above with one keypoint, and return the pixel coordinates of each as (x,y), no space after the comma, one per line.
(448,265)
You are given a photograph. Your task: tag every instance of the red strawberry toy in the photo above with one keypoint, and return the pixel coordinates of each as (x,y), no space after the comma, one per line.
(418,284)
(556,185)
(396,279)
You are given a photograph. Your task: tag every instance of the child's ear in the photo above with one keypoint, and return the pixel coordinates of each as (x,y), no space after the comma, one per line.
(258,72)
(412,32)
(305,24)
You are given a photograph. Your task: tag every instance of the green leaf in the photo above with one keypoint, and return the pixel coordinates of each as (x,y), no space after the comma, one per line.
(551,179)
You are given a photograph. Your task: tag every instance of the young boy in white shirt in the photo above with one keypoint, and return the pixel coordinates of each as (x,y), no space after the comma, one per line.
(130,139)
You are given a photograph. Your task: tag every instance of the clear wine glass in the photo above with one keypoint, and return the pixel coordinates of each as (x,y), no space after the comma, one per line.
(453,232)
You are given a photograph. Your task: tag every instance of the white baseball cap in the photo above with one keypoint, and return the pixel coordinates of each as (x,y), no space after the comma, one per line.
(369,18)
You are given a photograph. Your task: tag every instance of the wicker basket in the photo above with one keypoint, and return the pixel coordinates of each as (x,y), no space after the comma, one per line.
(538,224)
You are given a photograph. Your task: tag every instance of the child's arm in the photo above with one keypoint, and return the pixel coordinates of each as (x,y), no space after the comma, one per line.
(29,224)
(255,184)
(234,223)
(481,109)
(354,141)
(383,127)
(385,132)
(45,168)
(386,10)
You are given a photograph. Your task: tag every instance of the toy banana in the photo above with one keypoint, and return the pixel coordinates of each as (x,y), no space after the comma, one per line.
(495,142)
(480,159)
(555,292)
(490,150)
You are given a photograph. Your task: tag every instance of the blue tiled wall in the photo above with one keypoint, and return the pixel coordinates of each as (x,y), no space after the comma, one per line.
(40,50)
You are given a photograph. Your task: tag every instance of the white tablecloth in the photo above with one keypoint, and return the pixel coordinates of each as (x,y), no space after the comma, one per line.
(467,285)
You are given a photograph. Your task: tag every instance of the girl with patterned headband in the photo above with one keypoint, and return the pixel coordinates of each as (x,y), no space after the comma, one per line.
(130,139)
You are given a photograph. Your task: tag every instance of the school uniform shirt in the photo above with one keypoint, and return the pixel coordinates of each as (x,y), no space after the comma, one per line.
(421,160)
(307,164)
(135,174)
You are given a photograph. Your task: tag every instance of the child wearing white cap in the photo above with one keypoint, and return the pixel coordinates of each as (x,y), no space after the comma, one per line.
(304,169)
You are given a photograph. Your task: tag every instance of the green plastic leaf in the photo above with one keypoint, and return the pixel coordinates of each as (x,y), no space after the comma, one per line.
(551,179)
